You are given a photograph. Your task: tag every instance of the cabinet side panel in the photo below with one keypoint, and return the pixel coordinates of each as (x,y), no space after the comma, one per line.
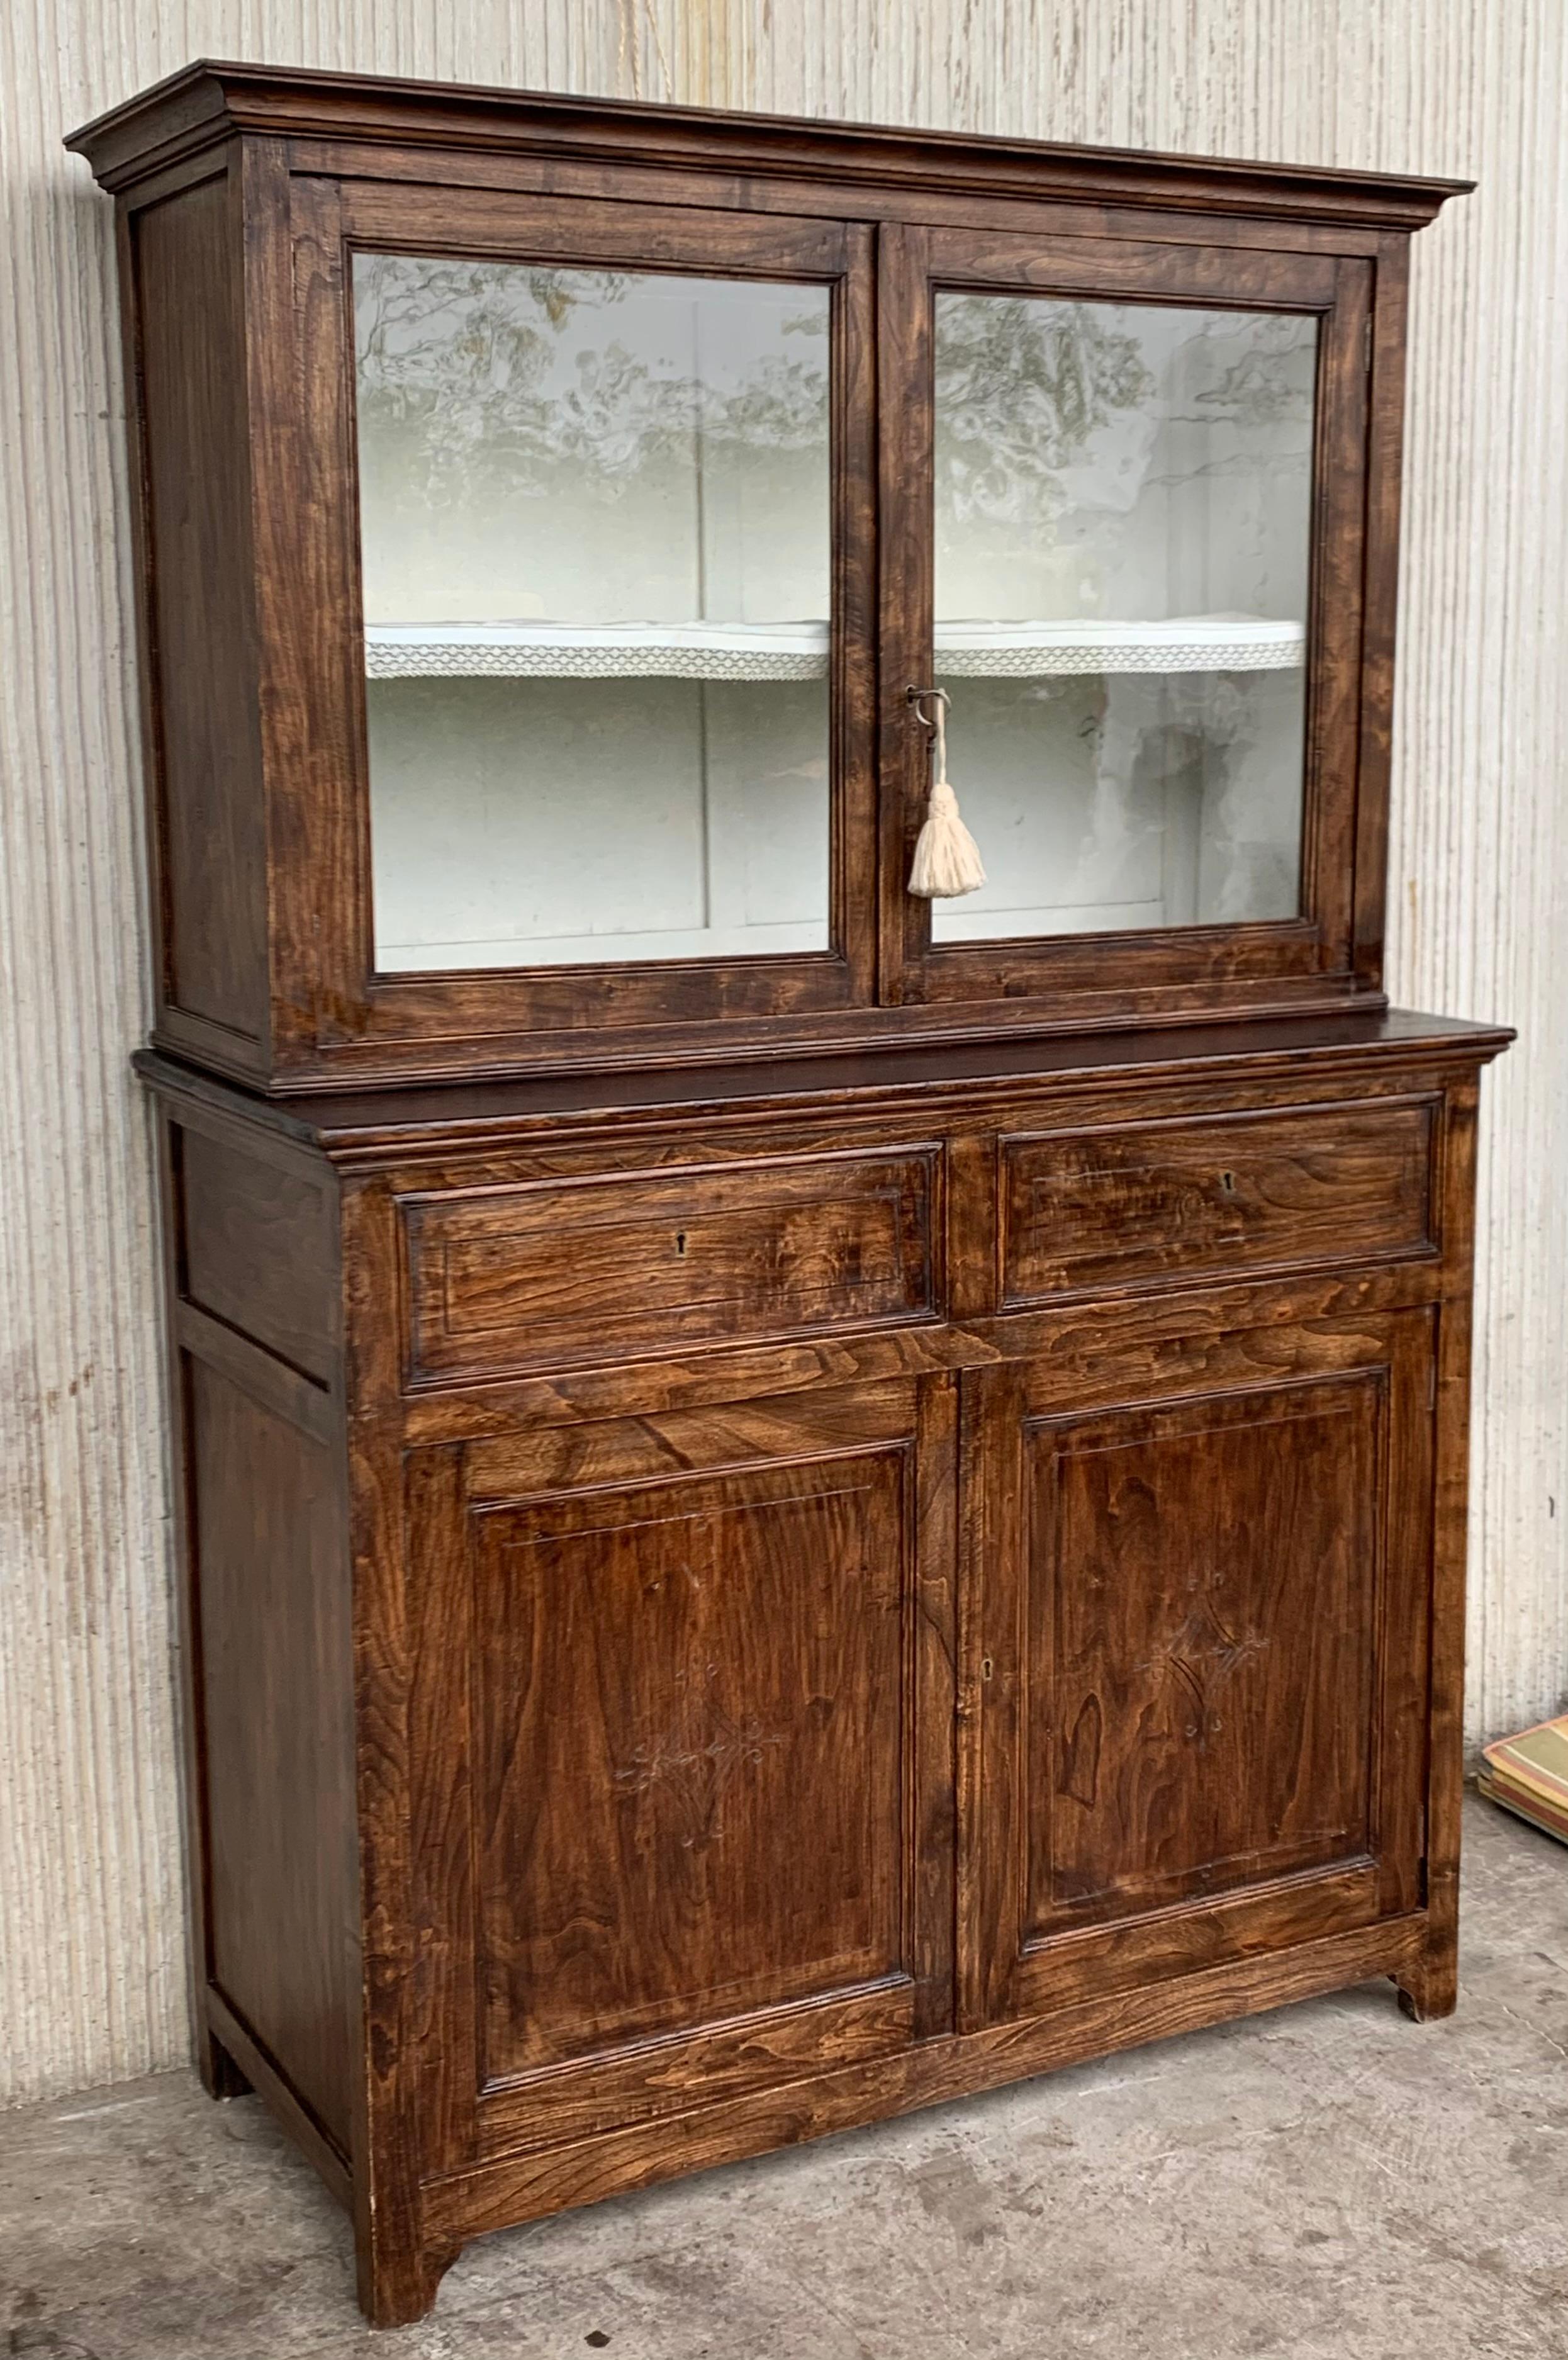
(259,1250)
(201,641)
(274,1680)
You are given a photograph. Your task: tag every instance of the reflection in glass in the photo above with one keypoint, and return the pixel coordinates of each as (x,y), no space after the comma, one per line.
(595,524)
(1123,505)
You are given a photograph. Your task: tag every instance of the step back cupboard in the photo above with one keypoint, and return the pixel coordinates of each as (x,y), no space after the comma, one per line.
(795,1498)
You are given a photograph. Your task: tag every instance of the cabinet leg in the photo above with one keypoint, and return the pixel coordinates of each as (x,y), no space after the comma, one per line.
(1429,1986)
(398,2287)
(220,2077)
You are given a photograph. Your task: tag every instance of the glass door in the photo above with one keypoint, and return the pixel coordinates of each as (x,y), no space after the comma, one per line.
(614,666)
(1114,583)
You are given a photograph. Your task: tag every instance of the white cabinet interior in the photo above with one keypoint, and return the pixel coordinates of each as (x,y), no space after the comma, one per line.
(1098,464)
(576,488)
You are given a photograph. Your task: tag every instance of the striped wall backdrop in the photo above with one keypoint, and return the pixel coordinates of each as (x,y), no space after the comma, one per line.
(91,1964)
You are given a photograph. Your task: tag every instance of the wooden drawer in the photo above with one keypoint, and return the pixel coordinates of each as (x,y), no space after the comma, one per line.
(1139,1203)
(556,1273)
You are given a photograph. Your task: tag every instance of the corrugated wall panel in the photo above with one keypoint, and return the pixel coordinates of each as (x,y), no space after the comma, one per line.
(90,1951)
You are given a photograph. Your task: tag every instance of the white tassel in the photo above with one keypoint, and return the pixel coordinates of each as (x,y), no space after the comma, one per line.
(947,860)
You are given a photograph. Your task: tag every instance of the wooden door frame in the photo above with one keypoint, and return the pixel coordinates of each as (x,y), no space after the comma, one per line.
(360,1009)
(1201,961)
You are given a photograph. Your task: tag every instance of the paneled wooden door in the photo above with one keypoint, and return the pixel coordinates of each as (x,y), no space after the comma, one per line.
(1196,1642)
(683,1742)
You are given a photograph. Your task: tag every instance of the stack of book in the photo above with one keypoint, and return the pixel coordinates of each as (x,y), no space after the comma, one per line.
(1529,1775)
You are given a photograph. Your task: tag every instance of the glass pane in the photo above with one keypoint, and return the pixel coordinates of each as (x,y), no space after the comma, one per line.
(596,536)
(1123,505)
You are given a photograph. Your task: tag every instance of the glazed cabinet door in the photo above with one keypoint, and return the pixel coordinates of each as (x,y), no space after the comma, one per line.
(596,497)
(683,1766)
(1197,1646)
(1127,490)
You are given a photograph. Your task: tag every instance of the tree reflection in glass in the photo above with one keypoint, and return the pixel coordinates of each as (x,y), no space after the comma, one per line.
(1122,516)
(595,523)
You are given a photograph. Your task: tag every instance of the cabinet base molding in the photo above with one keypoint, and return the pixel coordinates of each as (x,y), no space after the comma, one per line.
(514,2189)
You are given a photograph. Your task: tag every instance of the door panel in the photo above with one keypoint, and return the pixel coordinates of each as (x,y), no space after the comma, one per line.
(602,529)
(1125,489)
(706,1734)
(1200,1622)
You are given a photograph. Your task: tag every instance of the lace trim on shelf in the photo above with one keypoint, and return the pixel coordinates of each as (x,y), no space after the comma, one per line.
(780,651)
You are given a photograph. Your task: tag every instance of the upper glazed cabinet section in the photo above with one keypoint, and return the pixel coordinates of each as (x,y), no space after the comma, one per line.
(562,525)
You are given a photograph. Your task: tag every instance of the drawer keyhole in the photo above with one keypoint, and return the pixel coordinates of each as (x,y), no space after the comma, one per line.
(679,1242)
(1228,1182)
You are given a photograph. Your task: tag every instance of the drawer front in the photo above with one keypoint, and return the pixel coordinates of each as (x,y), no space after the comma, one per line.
(556,1273)
(1138,1203)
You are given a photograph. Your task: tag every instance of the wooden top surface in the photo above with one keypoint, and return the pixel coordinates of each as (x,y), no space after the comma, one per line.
(349,1124)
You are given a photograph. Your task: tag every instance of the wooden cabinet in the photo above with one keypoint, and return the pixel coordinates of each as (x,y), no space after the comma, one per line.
(795,1496)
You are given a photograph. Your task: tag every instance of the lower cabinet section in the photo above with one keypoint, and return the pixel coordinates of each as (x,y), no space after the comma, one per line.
(606,1768)
(1200,1606)
(692,1753)
(699,1690)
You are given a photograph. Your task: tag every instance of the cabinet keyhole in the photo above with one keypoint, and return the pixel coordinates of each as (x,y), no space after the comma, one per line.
(679,1242)
(1228,1182)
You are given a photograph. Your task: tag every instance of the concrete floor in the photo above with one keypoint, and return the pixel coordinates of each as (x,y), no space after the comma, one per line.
(1328,2183)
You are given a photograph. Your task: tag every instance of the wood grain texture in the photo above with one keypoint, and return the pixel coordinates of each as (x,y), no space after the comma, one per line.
(1203,1597)
(204,757)
(1096,1661)
(527,2186)
(1160,1201)
(275,1720)
(674,1682)
(1200,1614)
(668,1261)
(258,1246)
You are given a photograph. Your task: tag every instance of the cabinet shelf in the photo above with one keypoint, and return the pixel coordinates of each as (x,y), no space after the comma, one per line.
(798,650)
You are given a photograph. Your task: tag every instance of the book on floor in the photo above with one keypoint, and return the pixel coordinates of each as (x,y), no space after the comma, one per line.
(1529,1775)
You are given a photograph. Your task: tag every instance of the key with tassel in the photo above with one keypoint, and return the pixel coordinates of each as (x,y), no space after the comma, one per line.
(947,860)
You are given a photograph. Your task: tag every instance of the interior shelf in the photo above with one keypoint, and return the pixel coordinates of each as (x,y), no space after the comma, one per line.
(798,650)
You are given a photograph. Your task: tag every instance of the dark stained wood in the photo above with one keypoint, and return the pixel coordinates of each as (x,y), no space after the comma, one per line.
(1201,1646)
(1380,589)
(258,1241)
(255,591)
(377,1127)
(1430,1986)
(1154,1201)
(1205,959)
(525,2187)
(678,1679)
(664,1262)
(205,101)
(386,1017)
(1203,1608)
(767,1543)
(606,1822)
(273,1618)
(204,750)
